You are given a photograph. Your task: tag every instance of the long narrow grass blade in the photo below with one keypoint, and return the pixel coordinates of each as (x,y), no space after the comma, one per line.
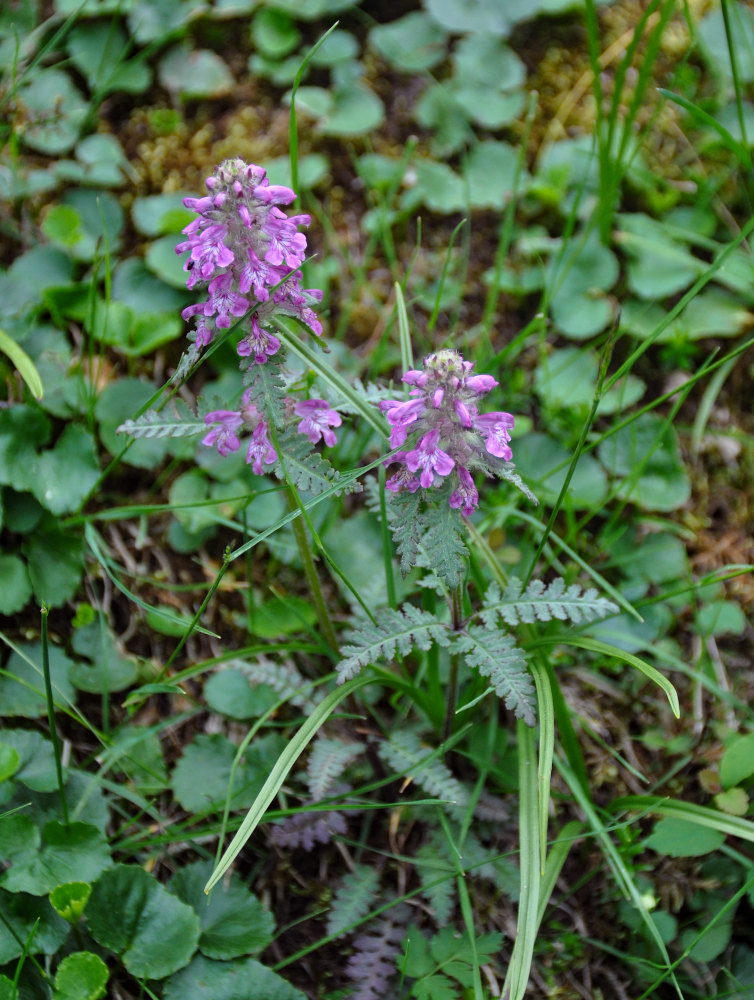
(404,331)
(597,646)
(556,858)
(621,873)
(527,923)
(733,826)
(546,712)
(280,771)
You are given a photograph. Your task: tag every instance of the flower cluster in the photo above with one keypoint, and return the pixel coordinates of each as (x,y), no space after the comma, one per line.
(317,421)
(248,252)
(452,437)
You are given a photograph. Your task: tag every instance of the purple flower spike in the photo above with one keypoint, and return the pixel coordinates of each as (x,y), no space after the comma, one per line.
(452,437)
(224,435)
(430,458)
(318,419)
(241,244)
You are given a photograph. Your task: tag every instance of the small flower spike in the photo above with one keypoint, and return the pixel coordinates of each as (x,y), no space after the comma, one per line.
(248,252)
(452,436)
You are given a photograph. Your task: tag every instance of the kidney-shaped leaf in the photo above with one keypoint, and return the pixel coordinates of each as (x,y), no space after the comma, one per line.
(234,921)
(152,931)
(230,980)
(81,976)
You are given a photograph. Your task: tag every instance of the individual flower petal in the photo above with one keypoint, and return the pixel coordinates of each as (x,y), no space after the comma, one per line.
(466,495)
(494,429)
(259,343)
(430,458)
(318,419)
(224,434)
(224,301)
(480,383)
(260,450)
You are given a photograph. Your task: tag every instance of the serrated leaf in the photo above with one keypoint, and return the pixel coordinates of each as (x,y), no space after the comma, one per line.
(234,922)
(241,978)
(495,655)
(327,761)
(64,476)
(406,526)
(402,630)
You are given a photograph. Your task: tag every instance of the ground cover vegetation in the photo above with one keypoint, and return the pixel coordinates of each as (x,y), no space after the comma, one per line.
(376,440)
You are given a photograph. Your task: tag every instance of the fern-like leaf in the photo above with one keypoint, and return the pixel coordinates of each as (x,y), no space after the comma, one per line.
(407,527)
(543,603)
(266,390)
(432,864)
(373,963)
(352,899)
(495,655)
(160,425)
(327,761)
(406,755)
(403,630)
(494,466)
(442,545)
(307,829)
(307,469)
(283,678)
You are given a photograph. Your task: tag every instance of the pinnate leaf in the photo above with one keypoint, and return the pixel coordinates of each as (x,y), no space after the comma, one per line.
(402,630)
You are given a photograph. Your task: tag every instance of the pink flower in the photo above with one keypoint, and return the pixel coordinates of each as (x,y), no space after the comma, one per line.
(260,449)
(466,495)
(430,458)
(224,435)
(494,429)
(258,343)
(318,418)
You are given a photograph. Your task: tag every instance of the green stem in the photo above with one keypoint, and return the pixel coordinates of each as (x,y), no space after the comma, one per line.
(456,611)
(310,571)
(51,716)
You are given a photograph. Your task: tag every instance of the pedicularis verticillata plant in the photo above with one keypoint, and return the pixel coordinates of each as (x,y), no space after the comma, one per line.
(246,254)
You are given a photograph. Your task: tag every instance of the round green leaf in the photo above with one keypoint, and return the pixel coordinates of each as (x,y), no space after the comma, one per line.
(163,261)
(579,281)
(733,801)
(132,914)
(230,693)
(161,214)
(202,775)
(412,43)
(491,174)
(274,33)
(69,900)
(339,46)
(437,186)
(356,111)
(234,922)
(56,105)
(543,464)
(22,430)
(647,448)
(681,838)
(737,764)
(67,851)
(462,16)
(26,914)
(119,402)
(721,618)
(64,475)
(195,73)
(237,980)
(81,976)
(108,670)
(36,760)
(9,761)
(143,292)
(97,50)
(16,589)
